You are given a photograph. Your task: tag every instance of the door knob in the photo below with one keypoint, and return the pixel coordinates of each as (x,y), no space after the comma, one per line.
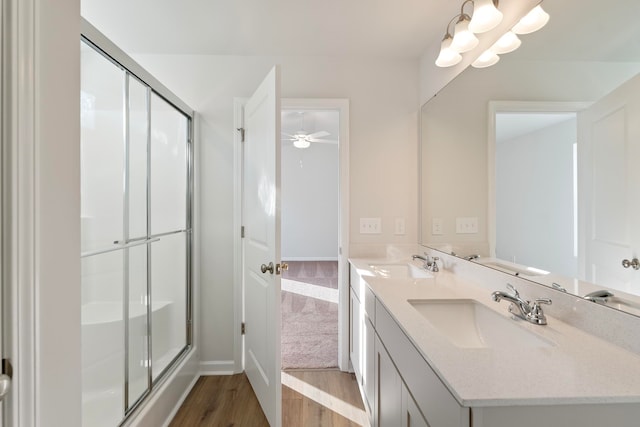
(281,267)
(264,268)
(633,263)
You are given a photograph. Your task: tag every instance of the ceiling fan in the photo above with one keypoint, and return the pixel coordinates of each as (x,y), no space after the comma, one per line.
(303,139)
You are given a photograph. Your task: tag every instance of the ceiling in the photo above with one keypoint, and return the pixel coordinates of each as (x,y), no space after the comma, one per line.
(514,125)
(361,28)
(585,30)
(578,29)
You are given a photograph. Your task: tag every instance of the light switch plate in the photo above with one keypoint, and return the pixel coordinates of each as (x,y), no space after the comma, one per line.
(436,227)
(467,225)
(399,230)
(370,226)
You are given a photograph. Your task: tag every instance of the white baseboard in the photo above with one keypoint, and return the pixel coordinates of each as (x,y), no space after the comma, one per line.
(313,258)
(178,405)
(217,367)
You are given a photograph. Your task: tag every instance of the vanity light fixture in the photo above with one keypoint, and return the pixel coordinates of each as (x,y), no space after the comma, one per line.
(507,43)
(447,57)
(487,59)
(463,39)
(532,21)
(486,16)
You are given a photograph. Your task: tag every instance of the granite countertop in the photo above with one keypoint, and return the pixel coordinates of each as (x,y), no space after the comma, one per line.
(578,368)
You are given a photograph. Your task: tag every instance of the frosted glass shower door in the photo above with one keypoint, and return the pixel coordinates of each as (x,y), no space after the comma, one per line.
(102,223)
(136,241)
(169,196)
(137,369)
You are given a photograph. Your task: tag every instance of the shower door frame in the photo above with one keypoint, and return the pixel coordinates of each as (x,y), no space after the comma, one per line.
(131,70)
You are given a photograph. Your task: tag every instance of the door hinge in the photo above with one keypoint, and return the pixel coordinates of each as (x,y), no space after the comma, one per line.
(242,232)
(242,328)
(241,130)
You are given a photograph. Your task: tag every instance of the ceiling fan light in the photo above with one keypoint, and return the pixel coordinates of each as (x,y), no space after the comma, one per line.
(463,39)
(532,21)
(507,43)
(447,57)
(486,16)
(301,143)
(487,59)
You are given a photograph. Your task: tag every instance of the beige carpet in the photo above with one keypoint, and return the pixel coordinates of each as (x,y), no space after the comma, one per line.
(310,315)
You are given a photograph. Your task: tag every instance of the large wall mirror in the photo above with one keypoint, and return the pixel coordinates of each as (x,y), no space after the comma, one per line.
(534,163)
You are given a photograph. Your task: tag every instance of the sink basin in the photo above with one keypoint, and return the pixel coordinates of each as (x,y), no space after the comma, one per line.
(469,324)
(399,270)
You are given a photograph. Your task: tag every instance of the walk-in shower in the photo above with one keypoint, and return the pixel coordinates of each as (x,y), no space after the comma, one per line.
(136,235)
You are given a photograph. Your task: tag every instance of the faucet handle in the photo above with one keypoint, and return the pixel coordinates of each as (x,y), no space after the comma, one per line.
(513,290)
(434,265)
(536,315)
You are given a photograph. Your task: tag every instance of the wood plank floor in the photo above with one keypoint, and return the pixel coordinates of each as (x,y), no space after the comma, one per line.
(315,398)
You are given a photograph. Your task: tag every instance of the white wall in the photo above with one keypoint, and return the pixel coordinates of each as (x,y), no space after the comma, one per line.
(534,199)
(383,98)
(309,200)
(45,240)
(455,126)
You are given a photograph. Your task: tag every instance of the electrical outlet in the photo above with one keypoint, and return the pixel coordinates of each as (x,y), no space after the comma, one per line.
(436,227)
(370,226)
(399,231)
(467,225)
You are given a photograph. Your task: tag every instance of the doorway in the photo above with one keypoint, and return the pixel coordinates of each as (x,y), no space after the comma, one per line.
(310,203)
(342,107)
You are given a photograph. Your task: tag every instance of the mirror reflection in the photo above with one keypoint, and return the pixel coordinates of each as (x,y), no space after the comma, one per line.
(530,164)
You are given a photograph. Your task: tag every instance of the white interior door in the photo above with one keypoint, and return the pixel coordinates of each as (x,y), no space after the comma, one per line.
(610,207)
(261,245)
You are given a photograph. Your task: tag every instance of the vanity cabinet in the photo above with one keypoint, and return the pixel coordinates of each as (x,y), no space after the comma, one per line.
(396,383)
(432,398)
(355,335)
(411,414)
(400,388)
(388,390)
(362,338)
(395,405)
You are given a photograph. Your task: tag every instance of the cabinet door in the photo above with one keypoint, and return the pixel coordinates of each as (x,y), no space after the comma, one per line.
(355,335)
(411,415)
(368,362)
(388,390)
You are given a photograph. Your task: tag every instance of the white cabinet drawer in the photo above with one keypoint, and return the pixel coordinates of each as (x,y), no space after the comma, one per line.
(432,397)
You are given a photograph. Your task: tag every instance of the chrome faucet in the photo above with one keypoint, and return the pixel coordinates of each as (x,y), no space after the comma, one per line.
(429,264)
(600,297)
(472,257)
(531,312)
(424,258)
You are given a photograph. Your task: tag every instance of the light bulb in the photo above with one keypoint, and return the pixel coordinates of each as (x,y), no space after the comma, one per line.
(507,43)
(532,21)
(447,57)
(463,39)
(486,16)
(301,143)
(487,59)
